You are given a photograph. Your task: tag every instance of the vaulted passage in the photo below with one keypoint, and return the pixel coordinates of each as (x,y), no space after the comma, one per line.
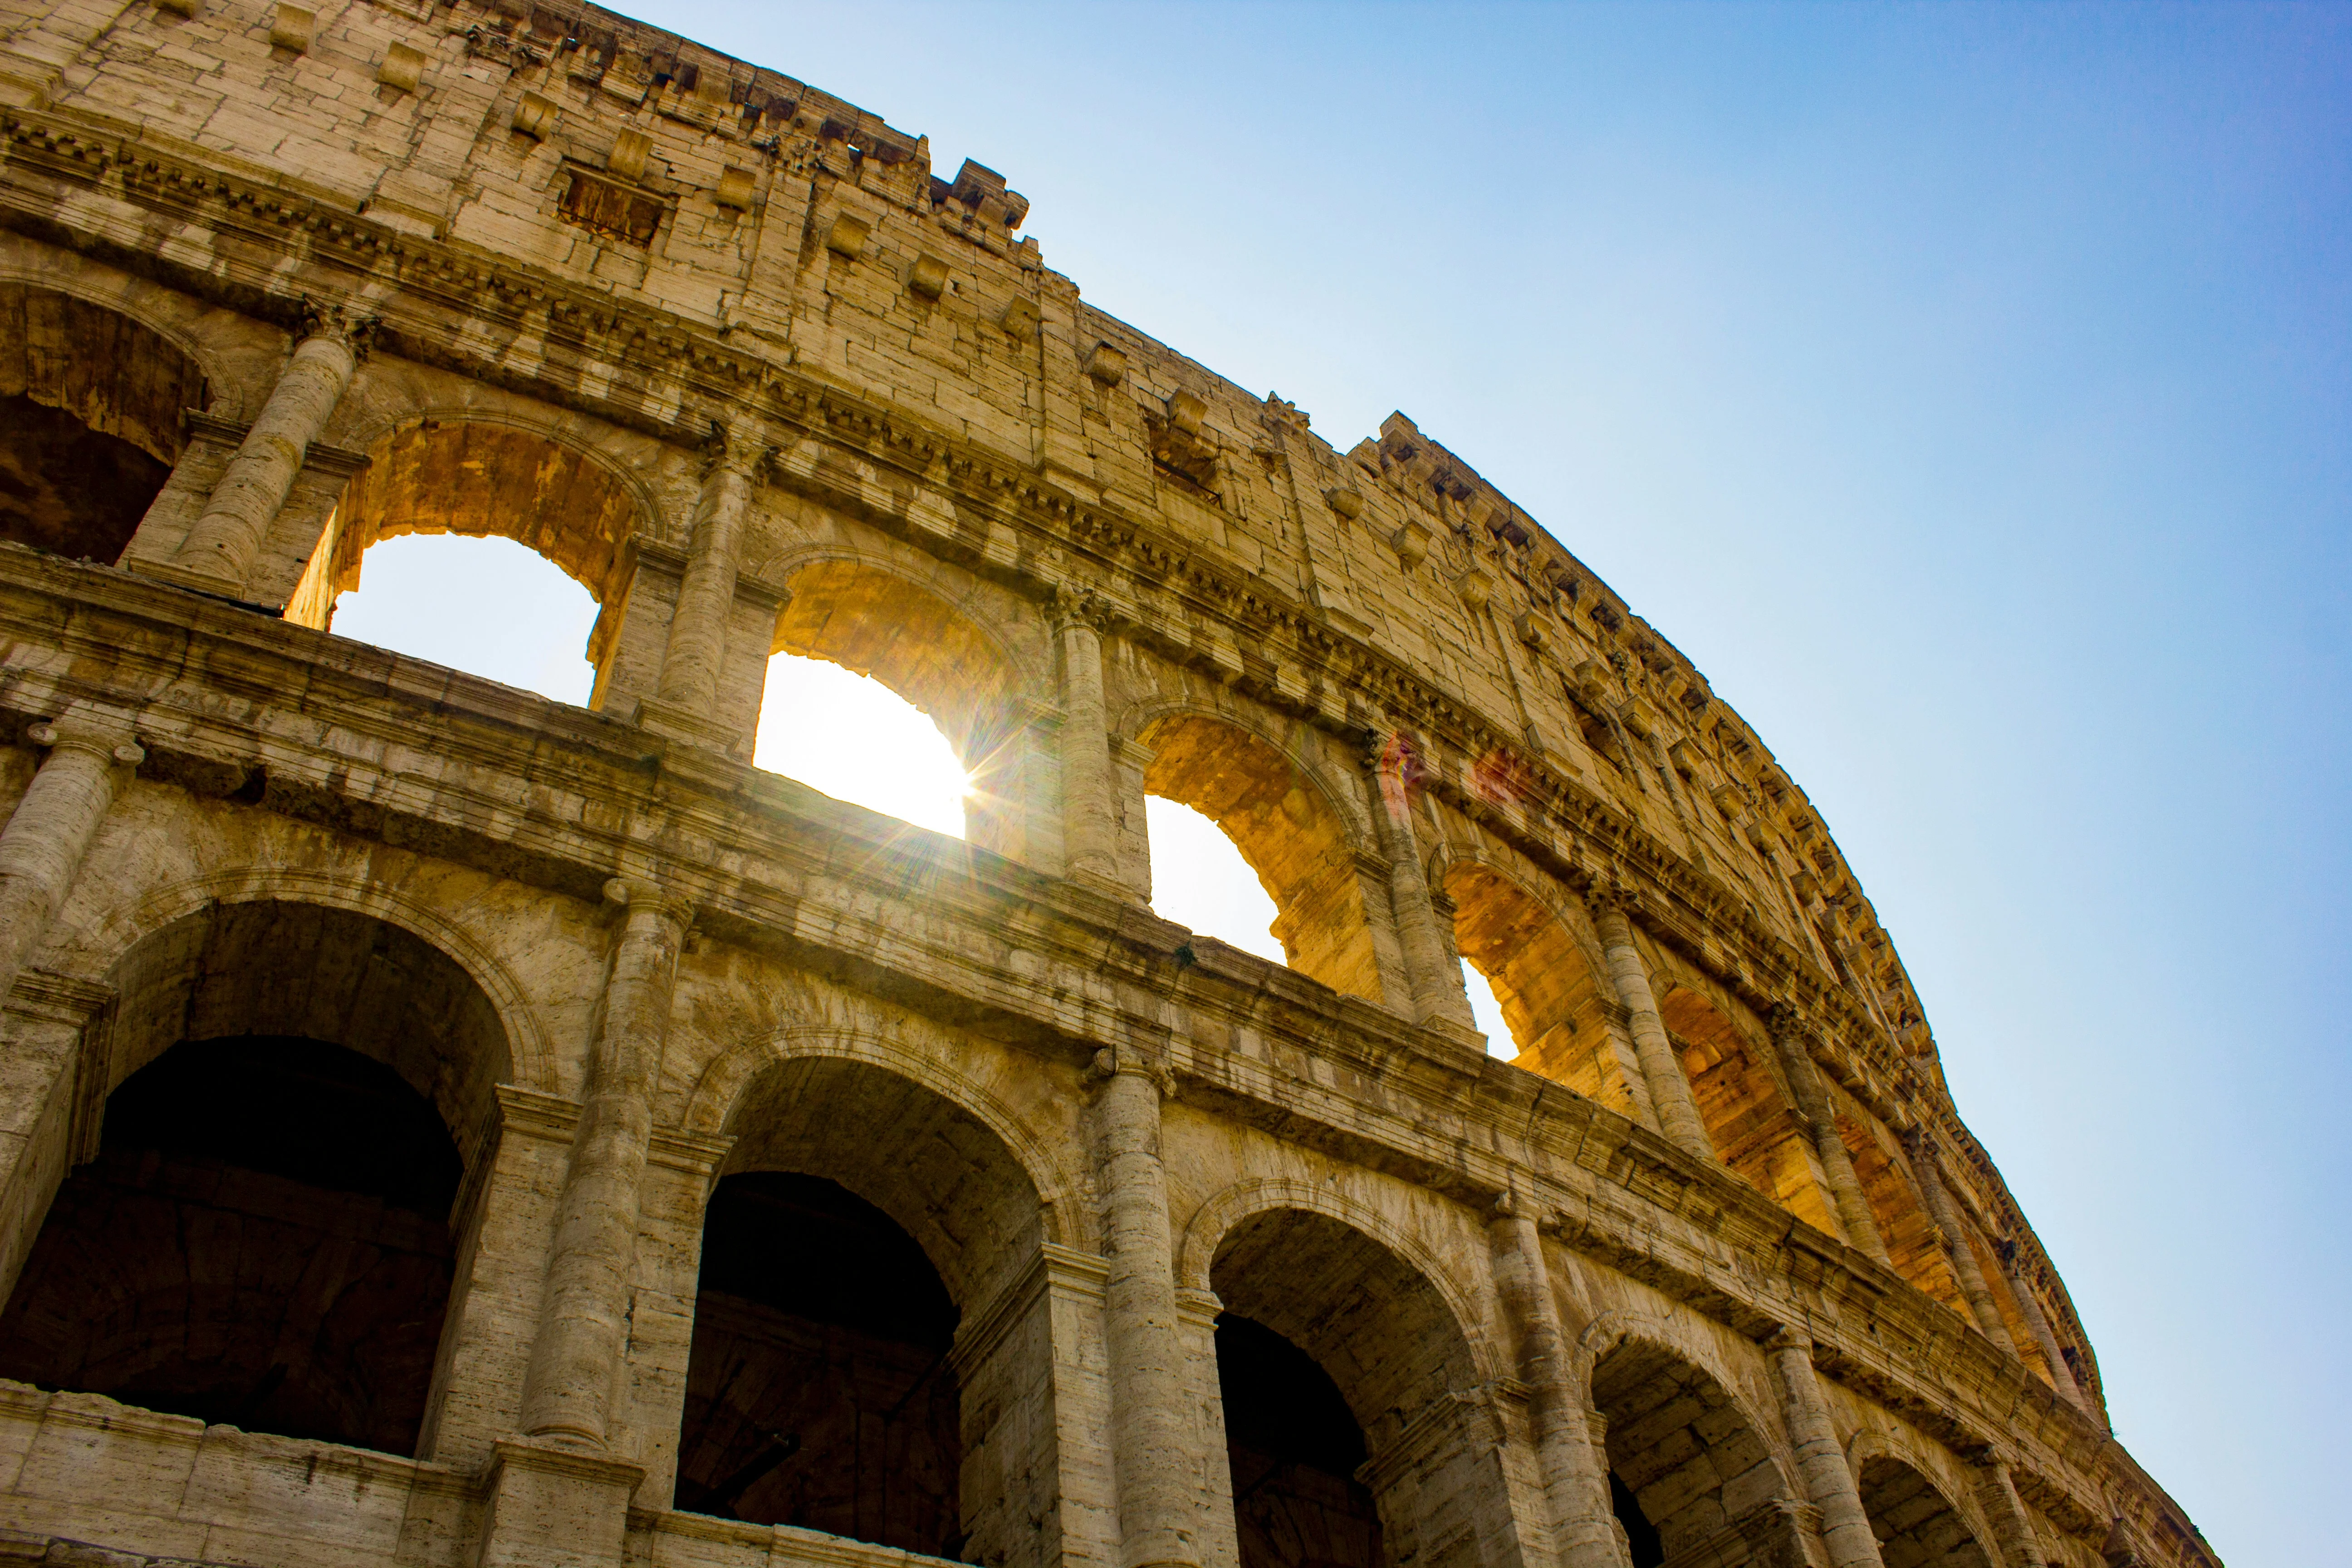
(1691,1480)
(91,405)
(1747,1114)
(1916,1526)
(1378,1335)
(261,1242)
(818,1392)
(1294,1448)
(868,1225)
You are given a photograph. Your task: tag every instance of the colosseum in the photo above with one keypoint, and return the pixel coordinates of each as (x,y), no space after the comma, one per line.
(442,1126)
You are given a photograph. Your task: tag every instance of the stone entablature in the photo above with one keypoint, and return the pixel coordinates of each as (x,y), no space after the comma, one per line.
(725,351)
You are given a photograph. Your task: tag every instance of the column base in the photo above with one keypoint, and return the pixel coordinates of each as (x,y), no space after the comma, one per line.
(196,581)
(555,1508)
(673,722)
(1460,1037)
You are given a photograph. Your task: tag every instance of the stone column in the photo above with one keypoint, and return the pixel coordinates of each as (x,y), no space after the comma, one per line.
(1149,1432)
(223,544)
(1821,1461)
(1941,1210)
(1584,1530)
(582,1318)
(1430,967)
(42,848)
(2012,1531)
(694,654)
(1662,1069)
(1089,815)
(1821,1122)
(2037,1323)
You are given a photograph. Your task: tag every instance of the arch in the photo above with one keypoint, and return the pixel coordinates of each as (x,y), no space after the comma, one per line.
(1916,1525)
(878,621)
(1210,1223)
(944,1173)
(1298,834)
(1691,1454)
(1390,1334)
(309,1258)
(485,475)
(1552,999)
(91,400)
(100,946)
(1747,1115)
(939,1177)
(719,1093)
(1895,1206)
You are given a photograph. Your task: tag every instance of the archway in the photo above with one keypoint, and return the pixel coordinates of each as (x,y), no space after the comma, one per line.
(1916,1524)
(1287,827)
(1327,1306)
(263,1229)
(1692,1479)
(818,1393)
(90,408)
(934,658)
(1902,1220)
(865,1224)
(1550,999)
(481,479)
(1747,1118)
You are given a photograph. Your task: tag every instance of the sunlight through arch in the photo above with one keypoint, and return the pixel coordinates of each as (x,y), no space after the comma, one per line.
(488,607)
(1488,1012)
(856,740)
(1200,880)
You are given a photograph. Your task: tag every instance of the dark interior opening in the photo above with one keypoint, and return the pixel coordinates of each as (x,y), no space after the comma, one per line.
(67,488)
(1294,1447)
(1641,1536)
(263,1241)
(818,1392)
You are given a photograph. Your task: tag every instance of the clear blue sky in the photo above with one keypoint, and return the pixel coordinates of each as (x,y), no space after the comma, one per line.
(1969,391)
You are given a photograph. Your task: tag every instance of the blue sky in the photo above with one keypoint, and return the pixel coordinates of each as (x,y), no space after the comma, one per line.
(1968,393)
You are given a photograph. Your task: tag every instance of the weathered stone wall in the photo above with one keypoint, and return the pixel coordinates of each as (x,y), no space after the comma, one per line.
(726,351)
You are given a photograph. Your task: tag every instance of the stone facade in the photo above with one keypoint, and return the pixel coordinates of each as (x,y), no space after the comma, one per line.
(440,1126)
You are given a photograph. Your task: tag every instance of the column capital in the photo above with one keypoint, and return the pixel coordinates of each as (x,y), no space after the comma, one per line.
(1788,1337)
(741,450)
(342,321)
(1112,1062)
(641,894)
(1072,608)
(107,737)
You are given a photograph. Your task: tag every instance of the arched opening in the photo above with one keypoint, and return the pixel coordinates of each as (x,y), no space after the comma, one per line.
(1200,880)
(1691,1480)
(1382,1337)
(933,657)
(1294,1448)
(486,607)
(866,1223)
(856,740)
(1917,1527)
(1747,1118)
(1550,1001)
(1286,828)
(90,406)
(818,1394)
(264,1229)
(1902,1220)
